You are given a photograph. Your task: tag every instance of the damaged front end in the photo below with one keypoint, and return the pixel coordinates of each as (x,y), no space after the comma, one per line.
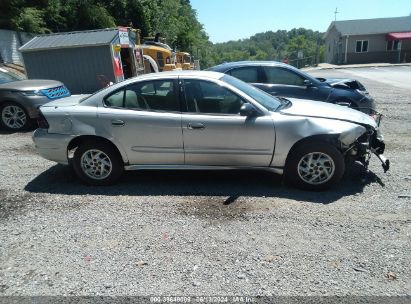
(361,142)
(346,83)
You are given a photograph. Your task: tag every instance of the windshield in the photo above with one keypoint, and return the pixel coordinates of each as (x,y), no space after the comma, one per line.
(269,102)
(7,77)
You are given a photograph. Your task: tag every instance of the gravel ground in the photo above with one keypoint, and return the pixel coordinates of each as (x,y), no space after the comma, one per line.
(208,233)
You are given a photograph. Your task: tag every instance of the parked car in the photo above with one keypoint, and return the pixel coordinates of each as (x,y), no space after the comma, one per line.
(20,99)
(203,120)
(284,80)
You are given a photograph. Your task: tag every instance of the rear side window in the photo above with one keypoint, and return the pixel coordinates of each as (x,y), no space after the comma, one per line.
(282,76)
(246,74)
(115,99)
(156,95)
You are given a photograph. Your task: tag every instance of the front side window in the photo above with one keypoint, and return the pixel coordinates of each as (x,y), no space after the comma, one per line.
(210,98)
(361,46)
(158,95)
(282,76)
(246,74)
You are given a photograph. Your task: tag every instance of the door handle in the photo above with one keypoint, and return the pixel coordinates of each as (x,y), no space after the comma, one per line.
(117,122)
(195,126)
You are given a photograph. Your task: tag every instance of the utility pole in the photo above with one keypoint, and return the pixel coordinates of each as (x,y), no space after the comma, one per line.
(399,51)
(335,14)
(317,50)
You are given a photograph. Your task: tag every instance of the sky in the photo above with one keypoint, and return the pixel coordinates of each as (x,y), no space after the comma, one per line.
(226,20)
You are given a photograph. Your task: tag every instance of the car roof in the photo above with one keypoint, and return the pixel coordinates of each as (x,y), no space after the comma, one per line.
(152,76)
(229,65)
(185,73)
(168,74)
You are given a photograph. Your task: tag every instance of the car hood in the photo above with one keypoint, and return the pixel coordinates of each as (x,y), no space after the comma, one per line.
(337,80)
(310,108)
(30,84)
(346,83)
(66,102)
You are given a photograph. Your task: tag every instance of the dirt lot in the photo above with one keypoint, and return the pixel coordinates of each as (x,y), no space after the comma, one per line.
(208,233)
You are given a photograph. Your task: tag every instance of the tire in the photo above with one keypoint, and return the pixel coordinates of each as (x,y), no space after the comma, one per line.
(88,163)
(326,169)
(13,117)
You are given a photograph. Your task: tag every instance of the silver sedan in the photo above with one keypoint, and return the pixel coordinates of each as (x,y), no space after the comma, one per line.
(203,120)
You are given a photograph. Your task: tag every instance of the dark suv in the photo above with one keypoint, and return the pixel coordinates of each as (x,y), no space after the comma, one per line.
(20,99)
(283,80)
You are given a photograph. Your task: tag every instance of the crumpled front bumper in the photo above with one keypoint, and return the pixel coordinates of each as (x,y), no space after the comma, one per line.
(377,147)
(371,142)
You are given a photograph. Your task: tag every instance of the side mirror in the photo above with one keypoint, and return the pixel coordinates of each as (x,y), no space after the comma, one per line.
(308,83)
(247,110)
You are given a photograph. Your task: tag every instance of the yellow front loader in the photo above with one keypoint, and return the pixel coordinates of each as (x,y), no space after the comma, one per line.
(184,61)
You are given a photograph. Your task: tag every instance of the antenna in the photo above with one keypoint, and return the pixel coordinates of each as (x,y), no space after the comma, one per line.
(335,14)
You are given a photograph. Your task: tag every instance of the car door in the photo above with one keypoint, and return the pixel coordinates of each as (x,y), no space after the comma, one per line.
(145,118)
(284,82)
(214,132)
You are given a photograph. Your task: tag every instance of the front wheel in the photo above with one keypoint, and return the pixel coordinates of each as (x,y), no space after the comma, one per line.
(14,117)
(315,166)
(97,163)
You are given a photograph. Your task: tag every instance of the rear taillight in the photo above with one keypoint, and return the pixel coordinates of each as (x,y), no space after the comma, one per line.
(42,121)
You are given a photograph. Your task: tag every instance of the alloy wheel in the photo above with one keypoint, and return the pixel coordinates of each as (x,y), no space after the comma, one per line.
(316,168)
(13,117)
(96,164)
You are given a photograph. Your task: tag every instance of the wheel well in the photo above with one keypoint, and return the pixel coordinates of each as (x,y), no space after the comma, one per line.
(91,138)
(328,138)
(6,101)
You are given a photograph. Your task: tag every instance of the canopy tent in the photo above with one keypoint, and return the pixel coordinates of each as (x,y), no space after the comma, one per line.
(398,36)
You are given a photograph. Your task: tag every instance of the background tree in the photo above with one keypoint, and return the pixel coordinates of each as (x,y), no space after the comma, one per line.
(30,19)
(176,20)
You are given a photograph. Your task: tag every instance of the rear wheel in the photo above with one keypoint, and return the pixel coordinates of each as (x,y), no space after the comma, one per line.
(315,166)
(14,117)
(97,163)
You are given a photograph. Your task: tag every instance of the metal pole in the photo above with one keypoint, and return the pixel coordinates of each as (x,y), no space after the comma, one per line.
(317,50)
(346,48)
(399,51)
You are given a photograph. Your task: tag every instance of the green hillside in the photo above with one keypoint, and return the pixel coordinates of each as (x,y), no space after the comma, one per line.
(176,20)
(272,46)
